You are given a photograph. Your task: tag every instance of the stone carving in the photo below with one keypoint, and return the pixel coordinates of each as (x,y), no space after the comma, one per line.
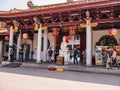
(63,52)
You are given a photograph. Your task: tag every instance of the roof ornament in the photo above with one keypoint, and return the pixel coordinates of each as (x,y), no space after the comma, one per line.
(2,24)
(2,27)
(87,14)
(30,4)
(88,21)
(36,20)
(15,25)
(36,23)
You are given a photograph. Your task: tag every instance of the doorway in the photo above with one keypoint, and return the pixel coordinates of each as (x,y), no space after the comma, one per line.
(26,49)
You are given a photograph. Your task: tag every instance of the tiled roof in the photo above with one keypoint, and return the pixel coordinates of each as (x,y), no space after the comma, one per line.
(45,7)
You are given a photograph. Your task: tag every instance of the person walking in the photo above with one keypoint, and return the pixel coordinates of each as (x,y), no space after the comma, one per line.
(114,59)
(50,53)
(84,56)
(11,55)
(21,54)
(75,55)
(108,62)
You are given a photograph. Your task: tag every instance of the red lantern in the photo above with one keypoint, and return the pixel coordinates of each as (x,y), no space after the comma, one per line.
(67,41)
(25,36)
(113,32)
(110,32)
(7,38)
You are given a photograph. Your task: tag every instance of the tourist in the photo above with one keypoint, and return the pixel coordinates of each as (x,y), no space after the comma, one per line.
(84,56)
(50,53)
(21,54)
(79,53)
(114,60)
(11,55)
(75,55)
(108,62)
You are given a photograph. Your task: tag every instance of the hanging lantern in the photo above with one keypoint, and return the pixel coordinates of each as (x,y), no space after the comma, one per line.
(15,24)
(36,23)
(7,38)
(110,31)
(72,31)
(113,32)
(25,36)
(55,31)
(67,39)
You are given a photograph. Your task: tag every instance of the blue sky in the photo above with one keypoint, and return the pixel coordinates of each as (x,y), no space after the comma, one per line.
(6,5)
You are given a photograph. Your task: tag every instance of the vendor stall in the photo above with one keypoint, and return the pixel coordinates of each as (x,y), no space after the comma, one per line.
(100,54)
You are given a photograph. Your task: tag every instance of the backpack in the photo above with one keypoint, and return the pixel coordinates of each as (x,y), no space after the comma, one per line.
(50,52)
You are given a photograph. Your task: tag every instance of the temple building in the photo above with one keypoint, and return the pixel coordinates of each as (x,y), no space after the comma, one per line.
(85,24)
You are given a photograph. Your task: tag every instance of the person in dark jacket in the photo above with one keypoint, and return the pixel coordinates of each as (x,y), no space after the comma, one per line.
(75,55)
(11,55)
(50,53)
(21,54)
(108,62)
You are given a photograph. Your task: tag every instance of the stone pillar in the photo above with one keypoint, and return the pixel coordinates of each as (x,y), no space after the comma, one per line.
(88,45)
(1,52)
(45,44)
(10,41)
(39,45)
(88,40)
(18,45)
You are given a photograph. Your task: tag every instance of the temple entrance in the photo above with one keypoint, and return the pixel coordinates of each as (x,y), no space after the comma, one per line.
(80,39)
(73,41)
(26,49)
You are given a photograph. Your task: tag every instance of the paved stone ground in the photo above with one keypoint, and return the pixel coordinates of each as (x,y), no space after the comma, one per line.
(77,68)
(10,80)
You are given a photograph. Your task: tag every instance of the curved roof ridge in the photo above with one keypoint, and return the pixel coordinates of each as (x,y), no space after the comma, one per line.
(51,6)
